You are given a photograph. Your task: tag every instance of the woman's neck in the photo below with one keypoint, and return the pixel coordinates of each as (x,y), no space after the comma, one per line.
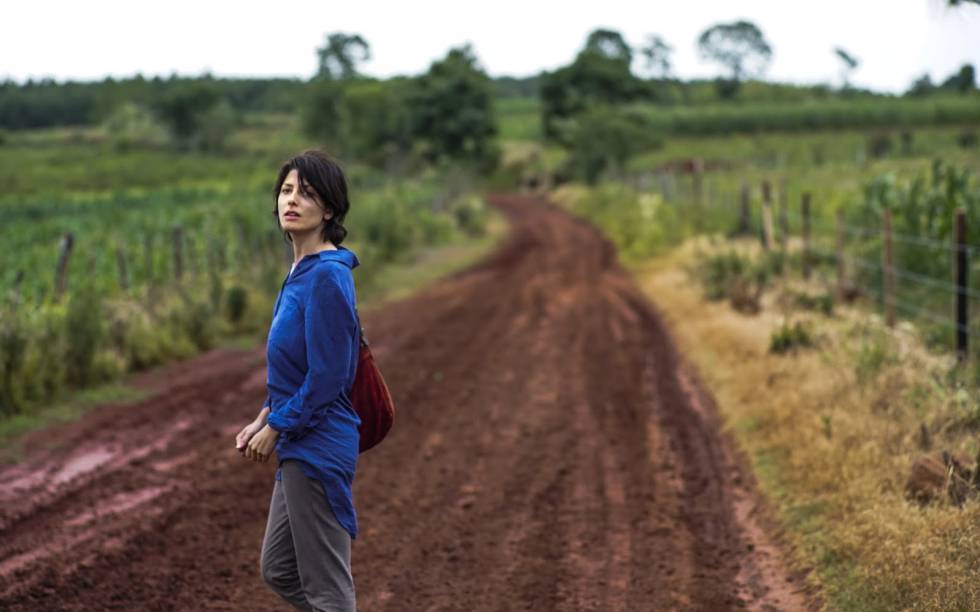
(309,244)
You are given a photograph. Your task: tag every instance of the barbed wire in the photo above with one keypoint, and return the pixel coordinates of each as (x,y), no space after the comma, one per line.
(916,310)
(904,273)
(921,312)
(896,236)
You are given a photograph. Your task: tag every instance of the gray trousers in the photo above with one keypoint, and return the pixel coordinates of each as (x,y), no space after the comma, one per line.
(306,553)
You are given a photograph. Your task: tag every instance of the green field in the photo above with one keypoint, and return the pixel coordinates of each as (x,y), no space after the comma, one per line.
(139,216)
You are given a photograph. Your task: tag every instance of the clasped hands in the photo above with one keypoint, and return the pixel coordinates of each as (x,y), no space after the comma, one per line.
(256,441)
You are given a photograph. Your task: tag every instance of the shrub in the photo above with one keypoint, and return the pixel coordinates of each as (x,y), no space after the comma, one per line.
(197,322)
(131,125)
(822,303)
(13,345)
(604,139)
(237,303)
(879,145)
(83,333)
(874,353)
(967,139)
(790,337)
(470,215)
(718,271)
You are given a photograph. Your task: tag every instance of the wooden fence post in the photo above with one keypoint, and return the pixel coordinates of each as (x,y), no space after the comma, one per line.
(841,263)
(962,275)
(767,241)
(888,270)
(61,276)
(805,204)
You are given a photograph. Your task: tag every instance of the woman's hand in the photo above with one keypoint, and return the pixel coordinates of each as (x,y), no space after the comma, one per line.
(262,444)
(243,437)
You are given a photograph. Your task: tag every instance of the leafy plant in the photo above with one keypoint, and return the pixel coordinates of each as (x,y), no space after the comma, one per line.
(790,337)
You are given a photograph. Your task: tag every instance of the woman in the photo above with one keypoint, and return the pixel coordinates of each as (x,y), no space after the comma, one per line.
(308,418)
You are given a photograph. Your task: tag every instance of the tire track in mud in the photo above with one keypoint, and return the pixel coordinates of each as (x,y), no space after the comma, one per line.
(551,452)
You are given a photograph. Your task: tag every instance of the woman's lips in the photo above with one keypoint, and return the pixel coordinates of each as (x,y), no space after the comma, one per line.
(291,216)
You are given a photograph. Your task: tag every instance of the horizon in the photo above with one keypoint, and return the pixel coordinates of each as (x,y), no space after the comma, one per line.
(898,47)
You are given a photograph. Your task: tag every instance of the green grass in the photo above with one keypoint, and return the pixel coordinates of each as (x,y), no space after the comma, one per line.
(890,113)
(427,265)
(394,281)
(518,118)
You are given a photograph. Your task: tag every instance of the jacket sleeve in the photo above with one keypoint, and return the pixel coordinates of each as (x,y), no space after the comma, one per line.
(330,327)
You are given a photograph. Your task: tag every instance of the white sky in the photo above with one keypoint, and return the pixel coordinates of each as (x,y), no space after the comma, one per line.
(895,40)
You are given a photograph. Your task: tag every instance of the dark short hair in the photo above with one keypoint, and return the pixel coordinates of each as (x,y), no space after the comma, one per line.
(327,179)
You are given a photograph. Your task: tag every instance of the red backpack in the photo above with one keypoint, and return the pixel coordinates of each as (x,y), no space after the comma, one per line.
(371,399)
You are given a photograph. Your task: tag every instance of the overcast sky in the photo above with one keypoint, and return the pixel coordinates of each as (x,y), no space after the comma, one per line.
(895,40)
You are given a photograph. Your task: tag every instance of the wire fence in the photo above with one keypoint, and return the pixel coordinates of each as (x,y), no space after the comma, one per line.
(918,278)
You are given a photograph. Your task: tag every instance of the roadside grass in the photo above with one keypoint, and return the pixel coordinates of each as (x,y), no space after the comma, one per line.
(393,281)
(832,431)
(429,264)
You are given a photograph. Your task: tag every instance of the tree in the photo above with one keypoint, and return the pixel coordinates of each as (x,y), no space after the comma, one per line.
(321,114)
(848,64)
(921,86)
(600,74)
(197,115)
(657,53)
(740,47)
(604,138)
(376,122)
(963,80)
(609,44)
(451,111)
(340,54)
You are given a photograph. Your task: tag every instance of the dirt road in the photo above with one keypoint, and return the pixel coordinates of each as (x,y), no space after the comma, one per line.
(551,452)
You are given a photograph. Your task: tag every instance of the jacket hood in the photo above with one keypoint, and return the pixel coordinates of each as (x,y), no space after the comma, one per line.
(343,255)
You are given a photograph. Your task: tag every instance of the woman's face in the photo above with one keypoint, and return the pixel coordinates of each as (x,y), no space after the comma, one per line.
(300,208)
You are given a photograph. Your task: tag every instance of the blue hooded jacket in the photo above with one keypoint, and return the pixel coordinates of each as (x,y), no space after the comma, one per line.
(312,351)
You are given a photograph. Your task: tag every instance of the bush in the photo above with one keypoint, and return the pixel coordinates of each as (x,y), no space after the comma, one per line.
(197,115)
(83,333)
(790,337)
(132,125)
(737,277)
(133,334)
(13,345)
(237,303)
(719,270)
(197,322)
(823,303)
(470,215)
(604,139)
(879,145)
(875,352)
(967,139)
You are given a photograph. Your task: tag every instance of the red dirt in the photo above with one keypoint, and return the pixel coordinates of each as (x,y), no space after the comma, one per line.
(550,452)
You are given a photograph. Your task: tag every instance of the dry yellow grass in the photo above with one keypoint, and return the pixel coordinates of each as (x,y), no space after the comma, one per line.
(832,432)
